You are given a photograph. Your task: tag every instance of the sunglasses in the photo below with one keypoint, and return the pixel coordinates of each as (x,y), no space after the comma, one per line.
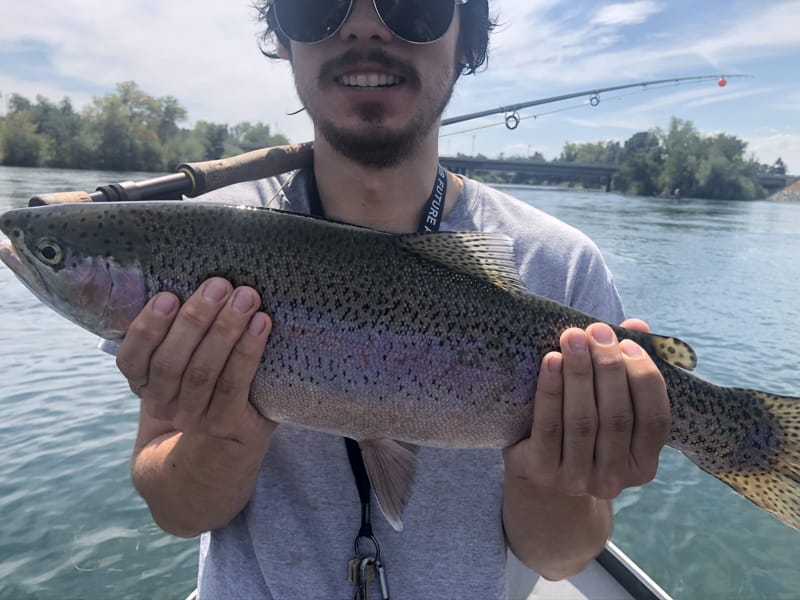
(414,21)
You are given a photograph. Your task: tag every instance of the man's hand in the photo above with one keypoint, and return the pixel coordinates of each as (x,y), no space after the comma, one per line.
(192,366)
(601,416)
(200,442)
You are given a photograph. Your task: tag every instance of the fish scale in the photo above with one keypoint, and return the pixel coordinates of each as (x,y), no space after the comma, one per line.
(394,340)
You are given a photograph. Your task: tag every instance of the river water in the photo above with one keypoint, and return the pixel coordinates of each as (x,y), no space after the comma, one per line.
(724,276)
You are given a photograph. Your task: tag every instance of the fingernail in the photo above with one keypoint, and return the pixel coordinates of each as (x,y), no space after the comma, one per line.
(554,363)
(243,301)
(577,342)
(215,290)
(257,324)
(164,304)
(602,334)
(631,349)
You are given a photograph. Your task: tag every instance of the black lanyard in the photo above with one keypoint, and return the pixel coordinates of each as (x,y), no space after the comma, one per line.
(430,220)
(431,215)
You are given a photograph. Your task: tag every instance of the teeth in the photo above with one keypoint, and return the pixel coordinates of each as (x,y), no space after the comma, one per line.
(369,80)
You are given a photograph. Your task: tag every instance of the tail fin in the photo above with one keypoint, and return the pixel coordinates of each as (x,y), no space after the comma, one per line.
(768,473)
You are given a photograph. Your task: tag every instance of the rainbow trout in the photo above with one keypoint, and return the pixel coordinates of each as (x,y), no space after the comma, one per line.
(394,340)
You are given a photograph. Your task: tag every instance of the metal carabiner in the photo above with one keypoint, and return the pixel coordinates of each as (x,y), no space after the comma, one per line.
(371,538)
(382,580)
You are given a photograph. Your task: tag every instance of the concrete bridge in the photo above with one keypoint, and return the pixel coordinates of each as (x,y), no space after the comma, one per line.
(568,171)
(571,171)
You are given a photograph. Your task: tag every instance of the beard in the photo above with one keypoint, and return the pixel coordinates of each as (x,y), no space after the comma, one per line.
(378,146)
(374,144)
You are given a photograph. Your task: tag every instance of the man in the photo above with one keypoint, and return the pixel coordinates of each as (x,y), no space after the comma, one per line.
(277,505)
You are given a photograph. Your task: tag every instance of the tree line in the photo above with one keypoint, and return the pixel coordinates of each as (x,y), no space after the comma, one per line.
(679,161)
(128,130)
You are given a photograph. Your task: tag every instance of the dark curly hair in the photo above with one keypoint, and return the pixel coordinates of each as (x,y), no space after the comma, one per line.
(474,32)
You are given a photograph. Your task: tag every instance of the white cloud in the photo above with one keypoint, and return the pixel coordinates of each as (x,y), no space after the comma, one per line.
(788,100)
(769,27)
(204,53)
(630,13)
(769,148)
(560,49)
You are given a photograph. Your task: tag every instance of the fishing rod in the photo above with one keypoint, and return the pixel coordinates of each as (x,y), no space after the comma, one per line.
(196,178)
(512,117)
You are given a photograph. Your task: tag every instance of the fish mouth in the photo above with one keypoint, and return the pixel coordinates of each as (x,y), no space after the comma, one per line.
(24,272)
(9,256)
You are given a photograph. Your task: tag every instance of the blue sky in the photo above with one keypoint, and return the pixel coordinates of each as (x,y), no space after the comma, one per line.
(205,54)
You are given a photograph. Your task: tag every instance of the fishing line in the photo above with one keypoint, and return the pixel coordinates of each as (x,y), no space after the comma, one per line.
(518,118)
(593,101)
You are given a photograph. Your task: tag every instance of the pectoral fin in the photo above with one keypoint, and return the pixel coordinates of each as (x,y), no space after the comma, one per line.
(391,467)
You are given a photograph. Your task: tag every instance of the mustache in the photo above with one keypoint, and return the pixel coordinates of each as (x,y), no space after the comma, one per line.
(354,58)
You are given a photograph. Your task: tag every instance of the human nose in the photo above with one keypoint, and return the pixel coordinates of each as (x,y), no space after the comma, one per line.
(364,23)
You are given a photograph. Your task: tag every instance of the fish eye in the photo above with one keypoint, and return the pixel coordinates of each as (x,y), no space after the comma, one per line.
(50,253)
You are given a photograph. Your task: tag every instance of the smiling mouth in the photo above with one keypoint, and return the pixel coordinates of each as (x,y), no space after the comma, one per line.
(369,80)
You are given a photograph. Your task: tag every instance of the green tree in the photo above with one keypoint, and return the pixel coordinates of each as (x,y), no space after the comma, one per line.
(62,131)
(21,145)
(213,138)
(682,154)
(601,153)
(778,167)
(246,136)
(18,103)
(641,163)
(721,176)
(169,114)
(124,130)
(605,153)
(183,148)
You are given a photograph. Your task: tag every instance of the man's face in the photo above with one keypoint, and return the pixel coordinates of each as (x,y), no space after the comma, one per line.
(371,95)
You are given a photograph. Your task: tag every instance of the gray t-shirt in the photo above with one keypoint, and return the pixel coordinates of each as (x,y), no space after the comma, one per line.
(295,536)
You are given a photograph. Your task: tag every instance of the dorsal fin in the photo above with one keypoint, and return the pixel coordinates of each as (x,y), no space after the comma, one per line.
(487,256)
